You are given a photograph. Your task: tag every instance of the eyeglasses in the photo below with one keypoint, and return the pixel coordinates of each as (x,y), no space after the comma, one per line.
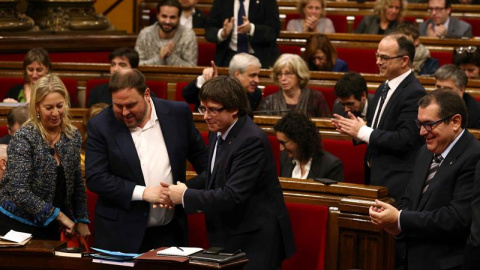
(469,49)
(428,126)
(287,74)
(386,57)
(347,104)
(282,143)
(436,9)
(211,111)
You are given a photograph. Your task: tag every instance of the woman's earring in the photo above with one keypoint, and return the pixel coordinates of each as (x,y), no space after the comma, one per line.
(38,115)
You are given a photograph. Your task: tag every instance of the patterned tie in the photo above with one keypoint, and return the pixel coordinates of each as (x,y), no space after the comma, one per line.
(382,100)
(242,39)
(437,159)
(220,141)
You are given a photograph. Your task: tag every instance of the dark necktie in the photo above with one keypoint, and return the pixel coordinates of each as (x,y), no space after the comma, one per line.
(437,159)
(382,101)
(242,39)
(219,150)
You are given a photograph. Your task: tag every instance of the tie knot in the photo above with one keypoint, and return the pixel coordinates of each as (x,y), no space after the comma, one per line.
(241,1)
(386,87)
(220,140)
(437,158)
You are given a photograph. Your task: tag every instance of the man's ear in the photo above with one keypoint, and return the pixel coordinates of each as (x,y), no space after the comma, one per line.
(3,164)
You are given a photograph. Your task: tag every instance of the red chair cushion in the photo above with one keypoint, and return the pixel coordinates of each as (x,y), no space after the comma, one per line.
(197,231)
(444,57)
(206,53)
(351,156)
(358,59)
(3,131)
(178,93)
(7,83)
(91,203)
(72,87)
(309,225)
(293,49)
(92,83)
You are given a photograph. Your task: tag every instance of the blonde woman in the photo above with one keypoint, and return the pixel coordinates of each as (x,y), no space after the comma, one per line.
(313,18)
(387,14)
(42,190)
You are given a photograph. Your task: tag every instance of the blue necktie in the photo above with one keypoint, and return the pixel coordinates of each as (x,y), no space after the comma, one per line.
(242,39)
(382,100)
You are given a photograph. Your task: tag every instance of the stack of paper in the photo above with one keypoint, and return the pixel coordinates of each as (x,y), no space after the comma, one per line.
(14,239)
(114,257)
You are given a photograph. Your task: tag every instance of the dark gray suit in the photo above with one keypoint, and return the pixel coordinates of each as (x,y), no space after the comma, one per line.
(456,28)
(436,224)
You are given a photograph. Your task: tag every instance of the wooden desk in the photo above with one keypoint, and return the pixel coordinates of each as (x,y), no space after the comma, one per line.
(38,254)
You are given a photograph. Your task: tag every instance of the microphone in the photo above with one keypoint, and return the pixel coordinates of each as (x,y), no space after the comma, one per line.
(52,151)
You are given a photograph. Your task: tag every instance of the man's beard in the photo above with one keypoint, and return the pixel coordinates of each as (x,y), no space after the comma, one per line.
(173,28)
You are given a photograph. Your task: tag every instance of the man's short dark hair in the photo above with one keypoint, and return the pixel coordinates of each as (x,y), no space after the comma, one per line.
(465,57)
(449,102)
(405,46)
(408,28)
(227,91)
(17,115)
(351,83)
(129,53)
(172,3)
(127,78)
(298,127)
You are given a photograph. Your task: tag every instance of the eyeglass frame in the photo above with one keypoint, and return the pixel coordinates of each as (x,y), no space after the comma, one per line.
(468,49)
(386,57)
(430,125)
(212,111)
(436,9)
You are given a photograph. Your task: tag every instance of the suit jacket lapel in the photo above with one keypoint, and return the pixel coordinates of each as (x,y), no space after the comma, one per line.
(127,147)
(394,97)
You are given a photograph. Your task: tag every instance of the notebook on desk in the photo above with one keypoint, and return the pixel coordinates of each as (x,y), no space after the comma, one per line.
(178,251)
(216,258)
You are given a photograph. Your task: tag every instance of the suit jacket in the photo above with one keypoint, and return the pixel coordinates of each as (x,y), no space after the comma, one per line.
(394,144)
(325,165)
(472,250)
(242,199)
(198,19)
(473,109)
(456,28)
(113,169)
(338,108)
(262,13)
(436,224)
(371,25)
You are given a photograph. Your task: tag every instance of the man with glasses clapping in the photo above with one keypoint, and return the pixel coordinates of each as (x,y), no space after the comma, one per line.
(441,24)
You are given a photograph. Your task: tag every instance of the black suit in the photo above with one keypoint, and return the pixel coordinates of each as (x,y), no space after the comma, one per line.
(262,13)
(436,224)
(325,165)
(472,250)
(113,170)
(473,110)
(242,198)
(198,19)
(394,144)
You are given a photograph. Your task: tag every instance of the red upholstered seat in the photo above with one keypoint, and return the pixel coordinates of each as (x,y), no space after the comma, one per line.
(206,53)
(197,231)
(475,23)
(351,156)
(359,59)
(92,83)
(72,87)
(178,93)
(309,225)
(91,203)
(339,22)
(275,145)
(6,83)
(293,49)
(444,57)
(3,131)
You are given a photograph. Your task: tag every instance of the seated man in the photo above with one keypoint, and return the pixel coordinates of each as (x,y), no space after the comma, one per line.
(15,119)
(192,17)
(434,215)
(243,66)
(452,77)
(441,24)
(166,42)
(351,90)
(468,59)
(120,58)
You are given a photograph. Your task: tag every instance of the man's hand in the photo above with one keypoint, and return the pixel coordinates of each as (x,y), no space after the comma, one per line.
(227,27)
(245,27)
(176,192)
(349,126)
(157,195)
(440,30)
(166,50)
(385,216)
(210,72)
(310,24)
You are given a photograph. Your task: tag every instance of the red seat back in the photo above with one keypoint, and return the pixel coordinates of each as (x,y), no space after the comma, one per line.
(293,49)
(358,59)
(309,225)
(475,23)
(444,57)
(158,87)
(6,83)
(72,87)
(178,93)
(339,22)
(275,145)
(270,89)
(197,231)
(92,83)
(91,203)
(206,53)
(351,156)
(3,131)
(328,94)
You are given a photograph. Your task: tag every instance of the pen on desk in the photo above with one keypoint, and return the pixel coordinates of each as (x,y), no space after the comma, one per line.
(180,248)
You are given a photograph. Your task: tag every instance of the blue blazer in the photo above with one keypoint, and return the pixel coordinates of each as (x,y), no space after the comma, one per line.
(242,198)
(113,169)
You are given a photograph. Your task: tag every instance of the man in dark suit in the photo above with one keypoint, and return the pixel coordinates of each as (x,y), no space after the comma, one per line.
(352,95)
(261,25)
(192,17)
(441,24)
(472,249)
(132,146)
(434,214)
(390,131)
(452,77)
(243,66)
(240,193)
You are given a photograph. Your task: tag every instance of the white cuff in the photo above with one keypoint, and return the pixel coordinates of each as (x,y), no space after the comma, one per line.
(138,193)
(364,133)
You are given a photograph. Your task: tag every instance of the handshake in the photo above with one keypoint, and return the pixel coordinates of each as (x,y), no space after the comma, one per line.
(165,195)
